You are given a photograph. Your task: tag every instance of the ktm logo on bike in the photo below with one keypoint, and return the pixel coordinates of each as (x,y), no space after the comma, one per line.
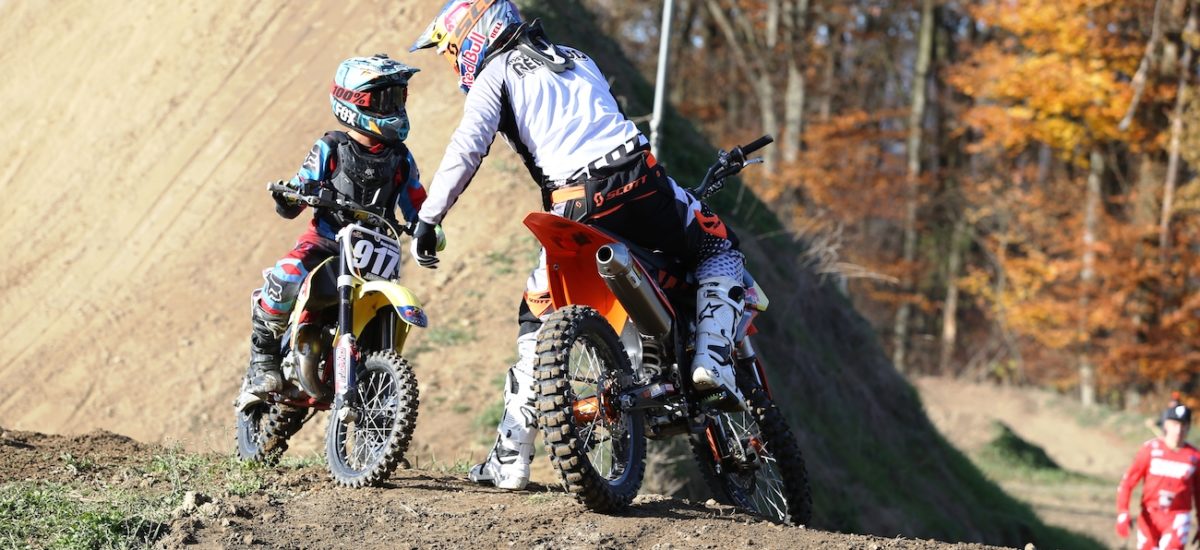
(711,224)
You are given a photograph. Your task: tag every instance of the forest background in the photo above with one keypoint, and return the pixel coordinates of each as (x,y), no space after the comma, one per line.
(1006,189)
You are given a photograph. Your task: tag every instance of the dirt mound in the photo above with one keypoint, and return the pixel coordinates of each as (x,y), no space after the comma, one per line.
(30,455)
(1079,440)
(295,506)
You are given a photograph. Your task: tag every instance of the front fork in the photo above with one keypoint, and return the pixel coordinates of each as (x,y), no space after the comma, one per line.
(747,361)
(715,432)
(346,349)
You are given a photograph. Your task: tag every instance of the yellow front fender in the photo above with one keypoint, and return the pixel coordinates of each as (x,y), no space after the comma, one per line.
(372,296)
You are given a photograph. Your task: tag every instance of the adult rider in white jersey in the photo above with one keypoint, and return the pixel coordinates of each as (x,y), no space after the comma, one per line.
(553,106)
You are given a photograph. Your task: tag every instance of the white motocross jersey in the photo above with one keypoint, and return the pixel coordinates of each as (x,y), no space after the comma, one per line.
(560,123)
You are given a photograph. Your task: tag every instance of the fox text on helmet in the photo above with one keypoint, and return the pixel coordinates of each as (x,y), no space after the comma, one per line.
(368,95)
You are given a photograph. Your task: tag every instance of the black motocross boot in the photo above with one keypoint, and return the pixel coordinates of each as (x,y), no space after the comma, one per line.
(264,374)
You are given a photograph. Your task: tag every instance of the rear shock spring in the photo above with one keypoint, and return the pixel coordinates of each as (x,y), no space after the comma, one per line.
(651,358)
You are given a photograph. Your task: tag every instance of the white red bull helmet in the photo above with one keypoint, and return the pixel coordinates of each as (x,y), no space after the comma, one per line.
(467,31)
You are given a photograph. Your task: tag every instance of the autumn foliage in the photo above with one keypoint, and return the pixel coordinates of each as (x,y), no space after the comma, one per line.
(1057,233)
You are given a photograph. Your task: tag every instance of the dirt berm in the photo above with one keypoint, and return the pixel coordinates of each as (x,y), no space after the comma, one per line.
(134,224)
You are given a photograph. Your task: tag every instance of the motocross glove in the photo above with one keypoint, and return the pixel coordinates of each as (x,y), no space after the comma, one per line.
(285,206)
(1123,525)
(425,244)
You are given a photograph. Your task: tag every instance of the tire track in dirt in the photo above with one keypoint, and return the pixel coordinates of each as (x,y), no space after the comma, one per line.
(168,184)
(233,114)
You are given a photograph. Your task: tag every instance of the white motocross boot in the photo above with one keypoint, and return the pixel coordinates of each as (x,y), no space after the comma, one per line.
(718,309)
(507,466)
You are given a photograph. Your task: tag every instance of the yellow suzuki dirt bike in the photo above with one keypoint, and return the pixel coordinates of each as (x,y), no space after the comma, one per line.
(613,370)
(342,352)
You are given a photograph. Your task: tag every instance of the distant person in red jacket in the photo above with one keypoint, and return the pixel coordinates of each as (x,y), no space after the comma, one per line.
(1171,489)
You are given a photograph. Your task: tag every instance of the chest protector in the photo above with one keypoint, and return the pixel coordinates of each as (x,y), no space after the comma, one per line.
(368,178)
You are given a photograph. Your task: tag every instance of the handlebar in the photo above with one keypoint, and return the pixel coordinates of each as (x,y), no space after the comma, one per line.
(757,144)
(325,199)
(728,164)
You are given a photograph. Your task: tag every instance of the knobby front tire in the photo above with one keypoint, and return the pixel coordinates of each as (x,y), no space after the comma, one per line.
(775,484)
(366,451)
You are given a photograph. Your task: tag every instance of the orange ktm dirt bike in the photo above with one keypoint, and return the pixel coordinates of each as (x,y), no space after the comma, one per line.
(613,370)
(342,352)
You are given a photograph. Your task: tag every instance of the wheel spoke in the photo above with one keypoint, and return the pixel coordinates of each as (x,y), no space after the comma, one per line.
(365,442)
(761,481)
(587,372)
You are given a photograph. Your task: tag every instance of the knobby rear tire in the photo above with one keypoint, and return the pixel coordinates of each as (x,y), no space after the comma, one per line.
(263,432)
(569,441)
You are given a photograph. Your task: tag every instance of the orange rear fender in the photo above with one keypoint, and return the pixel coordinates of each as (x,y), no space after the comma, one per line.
(571,265)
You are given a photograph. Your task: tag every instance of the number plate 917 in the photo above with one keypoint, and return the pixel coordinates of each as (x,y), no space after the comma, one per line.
(373,255)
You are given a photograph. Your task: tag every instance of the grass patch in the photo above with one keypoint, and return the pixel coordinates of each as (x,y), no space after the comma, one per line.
(77,465)
(311,460)
(217,473)
(93,514)
(490,416)
(459,467)
(488,419)
(545,498)
(442,336)
(501,263)
(1008,456)
(52,515)
(1008,447)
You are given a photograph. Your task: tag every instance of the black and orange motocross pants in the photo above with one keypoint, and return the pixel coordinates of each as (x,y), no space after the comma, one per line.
(637,201)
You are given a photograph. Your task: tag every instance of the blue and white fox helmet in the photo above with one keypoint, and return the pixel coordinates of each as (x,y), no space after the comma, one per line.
(466,31)
(369,94)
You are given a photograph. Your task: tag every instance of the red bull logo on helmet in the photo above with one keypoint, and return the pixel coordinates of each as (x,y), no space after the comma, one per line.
(469,56)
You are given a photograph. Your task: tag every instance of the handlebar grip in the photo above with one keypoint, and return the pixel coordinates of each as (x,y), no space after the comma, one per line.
(276,187)
(757,144)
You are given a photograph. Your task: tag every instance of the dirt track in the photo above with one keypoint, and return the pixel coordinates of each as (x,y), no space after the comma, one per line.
(135,222)
(300,508)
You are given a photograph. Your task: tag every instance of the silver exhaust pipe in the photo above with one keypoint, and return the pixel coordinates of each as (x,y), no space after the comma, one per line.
(628,282)
(308,362)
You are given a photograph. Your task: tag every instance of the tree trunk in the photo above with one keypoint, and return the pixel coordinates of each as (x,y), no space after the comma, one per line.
(770,121)
(680,85)
(829,71)
(795,97)
(950,307)
(793,133)
(1181,98)
(775,10)
(1139,78)
(1087,276)
(1145,216)
(754,68)
(915,118)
